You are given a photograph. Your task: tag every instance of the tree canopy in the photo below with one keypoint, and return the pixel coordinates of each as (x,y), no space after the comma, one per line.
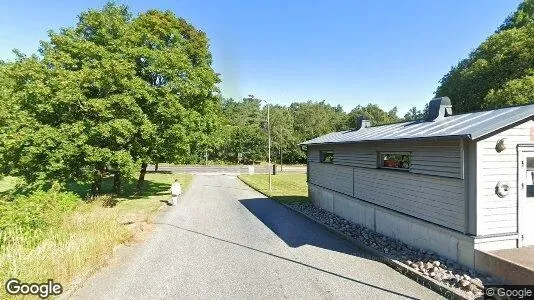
(373,113)
(499,72)
(108,94)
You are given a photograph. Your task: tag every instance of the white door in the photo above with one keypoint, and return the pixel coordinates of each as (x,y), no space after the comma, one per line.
(526,196)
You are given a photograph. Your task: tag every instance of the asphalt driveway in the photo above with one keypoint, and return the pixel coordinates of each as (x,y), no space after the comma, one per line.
(225,240)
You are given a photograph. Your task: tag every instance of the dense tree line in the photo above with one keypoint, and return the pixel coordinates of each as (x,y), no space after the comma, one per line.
(499,72)
(244,134)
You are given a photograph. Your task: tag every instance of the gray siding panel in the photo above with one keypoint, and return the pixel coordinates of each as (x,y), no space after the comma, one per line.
(313,155)
(365,160)
(437,159)
(439,198)
(337,178)
(443,161)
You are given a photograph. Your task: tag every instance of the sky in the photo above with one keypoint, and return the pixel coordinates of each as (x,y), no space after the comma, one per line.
(392,53)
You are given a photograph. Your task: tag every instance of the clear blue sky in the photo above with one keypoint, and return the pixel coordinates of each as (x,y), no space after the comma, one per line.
(392,53)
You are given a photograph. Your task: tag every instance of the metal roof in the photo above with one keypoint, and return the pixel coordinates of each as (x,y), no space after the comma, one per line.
(470,126)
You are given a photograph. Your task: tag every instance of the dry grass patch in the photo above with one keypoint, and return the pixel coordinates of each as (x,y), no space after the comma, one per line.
(85,239)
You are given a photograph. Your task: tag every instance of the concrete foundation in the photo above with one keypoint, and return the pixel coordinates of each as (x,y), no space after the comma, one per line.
(418,233)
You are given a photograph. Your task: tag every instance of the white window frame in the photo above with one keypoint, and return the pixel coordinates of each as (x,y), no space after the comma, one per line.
(321,156)
(381,160)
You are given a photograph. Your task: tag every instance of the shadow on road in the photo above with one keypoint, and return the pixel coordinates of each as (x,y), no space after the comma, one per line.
(296,230)
(285,258)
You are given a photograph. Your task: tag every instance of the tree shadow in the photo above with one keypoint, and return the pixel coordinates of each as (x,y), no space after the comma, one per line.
(159,172)
(129,190)
(296,230)
(166,202)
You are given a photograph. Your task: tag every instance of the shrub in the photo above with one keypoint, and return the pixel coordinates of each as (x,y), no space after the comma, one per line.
(30,216)
(108,201)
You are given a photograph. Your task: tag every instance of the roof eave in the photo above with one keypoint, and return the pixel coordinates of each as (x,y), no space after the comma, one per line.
(441,138)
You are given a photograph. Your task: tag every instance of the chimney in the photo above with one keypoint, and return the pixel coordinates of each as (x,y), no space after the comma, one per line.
(438,109)
(362,123)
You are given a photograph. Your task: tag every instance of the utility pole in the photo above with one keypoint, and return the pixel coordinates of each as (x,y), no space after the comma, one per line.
(206,156)
(269,132)
(269,168)
(280,158)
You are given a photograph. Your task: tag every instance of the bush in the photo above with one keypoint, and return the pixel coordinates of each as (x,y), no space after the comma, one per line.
(108,201)
(32,215)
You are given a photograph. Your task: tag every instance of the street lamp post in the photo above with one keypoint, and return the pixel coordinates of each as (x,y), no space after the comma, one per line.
(269,133)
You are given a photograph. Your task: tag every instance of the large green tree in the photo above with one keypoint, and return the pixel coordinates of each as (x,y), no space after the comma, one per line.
(244,112)
(499,72)
(415,114)
(312,119)
(246,130)
(174,61)
(109,94)
(79,97)
(373,113)
(284,141)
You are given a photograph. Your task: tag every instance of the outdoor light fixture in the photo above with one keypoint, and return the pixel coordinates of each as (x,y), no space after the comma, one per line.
(304,147)
(500,147)
(502,189)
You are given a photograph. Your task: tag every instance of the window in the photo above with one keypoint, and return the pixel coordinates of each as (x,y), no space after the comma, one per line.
(395,160)
(530,177)
(327,157)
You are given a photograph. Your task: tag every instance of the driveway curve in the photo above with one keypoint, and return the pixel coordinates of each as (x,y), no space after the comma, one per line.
(226,241)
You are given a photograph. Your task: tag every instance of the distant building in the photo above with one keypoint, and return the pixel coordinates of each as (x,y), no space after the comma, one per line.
(449,183)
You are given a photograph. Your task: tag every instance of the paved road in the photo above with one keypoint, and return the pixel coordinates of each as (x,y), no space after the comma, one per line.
(225,240)
(230,170)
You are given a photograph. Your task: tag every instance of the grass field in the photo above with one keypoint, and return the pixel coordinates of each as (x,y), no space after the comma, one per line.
(286,188)
(86,238)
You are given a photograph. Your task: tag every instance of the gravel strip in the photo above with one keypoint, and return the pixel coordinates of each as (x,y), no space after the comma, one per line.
(424,262)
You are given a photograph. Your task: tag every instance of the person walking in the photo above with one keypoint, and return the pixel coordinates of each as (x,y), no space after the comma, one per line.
(176,190)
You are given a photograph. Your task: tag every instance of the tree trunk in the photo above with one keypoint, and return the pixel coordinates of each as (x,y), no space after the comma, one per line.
(117,183)
(96,186)
(141,180)
(156,167)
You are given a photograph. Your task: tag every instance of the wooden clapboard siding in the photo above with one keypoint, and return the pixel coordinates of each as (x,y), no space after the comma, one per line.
(355,159)
(313,154)
(333,177)
(443,160)
(435,158)
(437,199)
(499,215)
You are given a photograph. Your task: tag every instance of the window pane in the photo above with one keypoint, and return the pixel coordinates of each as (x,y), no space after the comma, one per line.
(395,161)
(530,182)
(327,157)
(530,163)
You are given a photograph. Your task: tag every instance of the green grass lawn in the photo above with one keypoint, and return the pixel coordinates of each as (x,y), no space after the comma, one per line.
(156,190)
(85,238)
(286,188)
